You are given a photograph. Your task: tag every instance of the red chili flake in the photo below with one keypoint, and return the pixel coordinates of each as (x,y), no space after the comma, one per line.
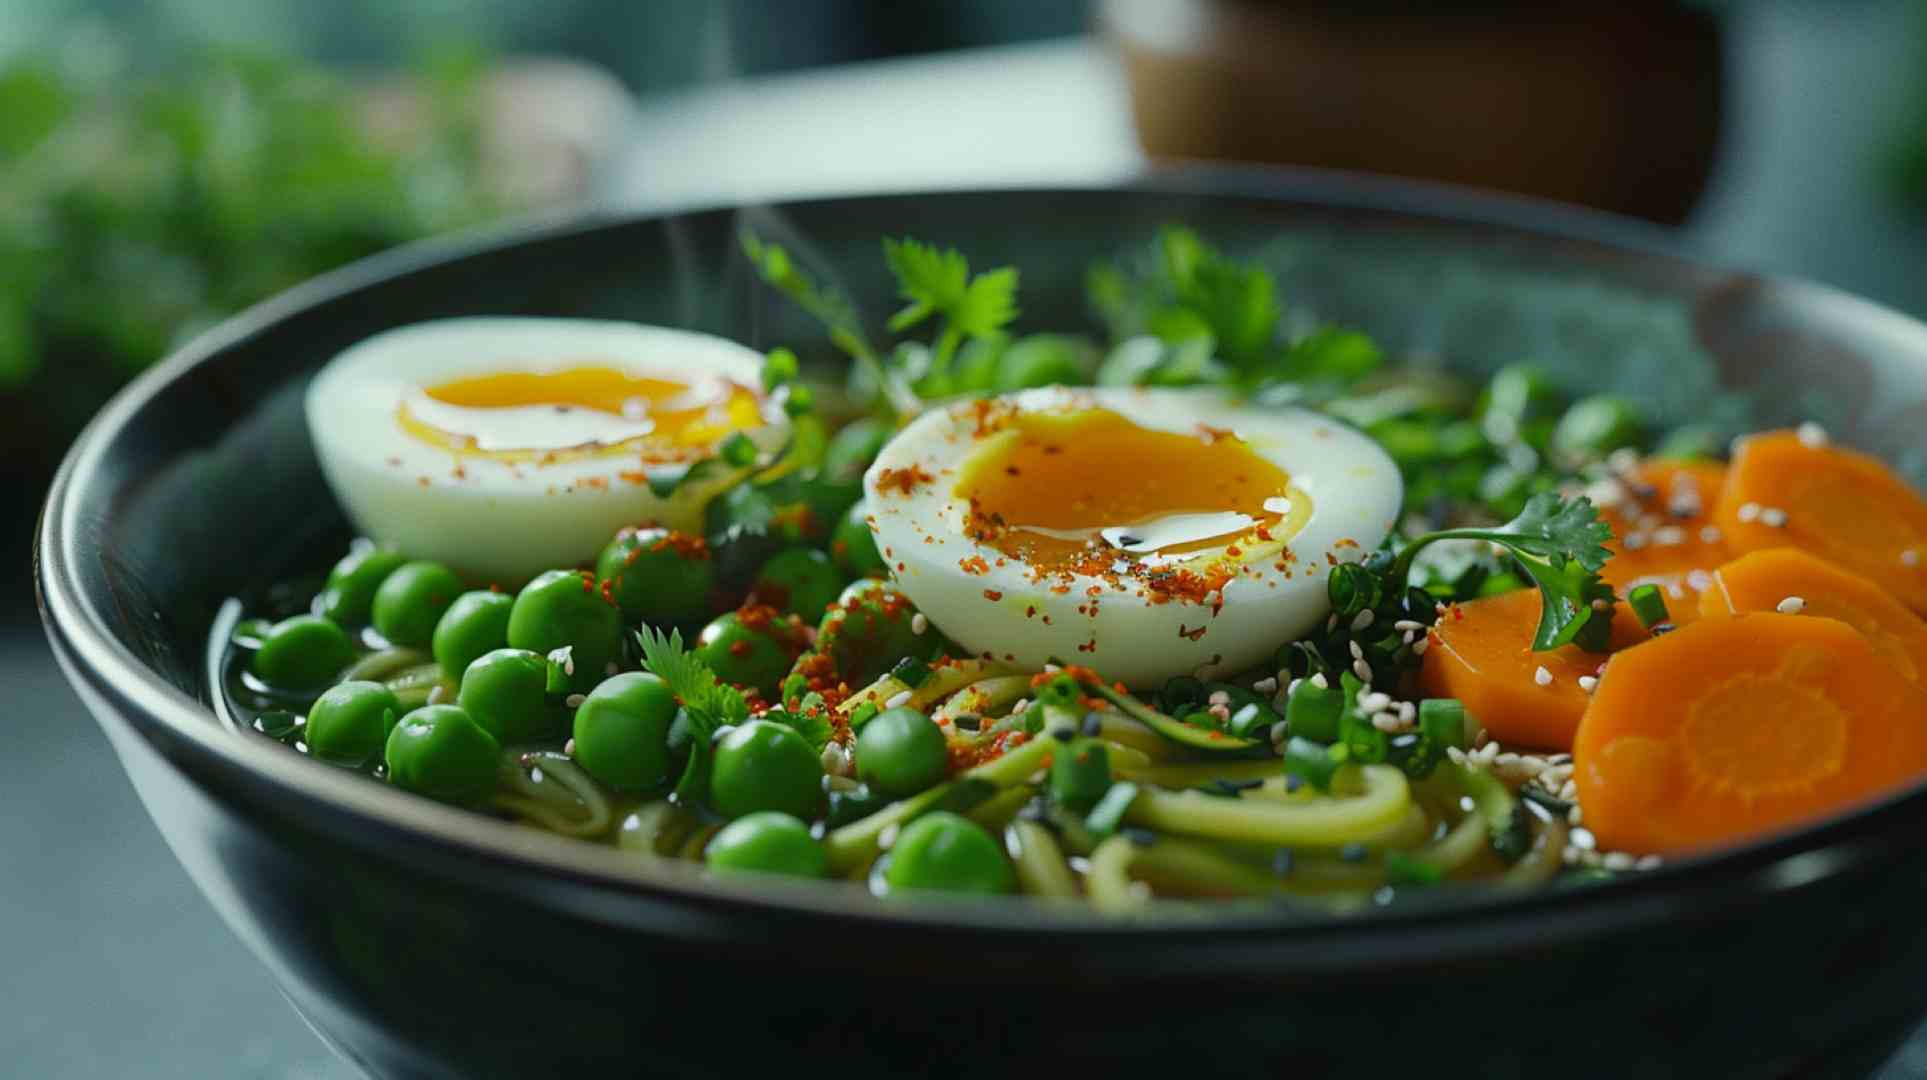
(1215,434)
(1234,551)
(993,595)
(633,477)
(1193,635)
(974,565)
(1264,534)
(739,648)
(1030,612)
(903,481)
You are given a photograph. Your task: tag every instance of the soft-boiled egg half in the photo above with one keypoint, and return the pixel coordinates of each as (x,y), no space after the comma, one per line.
(508,446)
(1145,533)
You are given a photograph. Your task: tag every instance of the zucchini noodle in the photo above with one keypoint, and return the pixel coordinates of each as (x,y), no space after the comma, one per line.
(565,799)
(1313,821)
(1039,861)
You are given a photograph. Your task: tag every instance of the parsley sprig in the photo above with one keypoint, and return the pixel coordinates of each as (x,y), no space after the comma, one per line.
(709,703)
(1558,543)
(937,281)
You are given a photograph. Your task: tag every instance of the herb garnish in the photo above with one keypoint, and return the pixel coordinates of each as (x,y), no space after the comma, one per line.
(709,703)
(1558,544)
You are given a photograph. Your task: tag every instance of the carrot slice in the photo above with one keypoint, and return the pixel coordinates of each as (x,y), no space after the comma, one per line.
(1481,653)
(1736,727)
(1841,505)
(1664,535)
(1767,580)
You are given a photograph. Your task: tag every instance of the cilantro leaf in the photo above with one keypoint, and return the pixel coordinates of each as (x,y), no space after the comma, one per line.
(709,703)
(937,281)
(1558,543)
(1237,303)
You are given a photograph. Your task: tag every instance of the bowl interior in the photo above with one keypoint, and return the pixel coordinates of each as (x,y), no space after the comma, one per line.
(200,483)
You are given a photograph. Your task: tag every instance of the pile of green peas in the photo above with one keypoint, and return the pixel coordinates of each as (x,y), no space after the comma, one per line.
(554,663)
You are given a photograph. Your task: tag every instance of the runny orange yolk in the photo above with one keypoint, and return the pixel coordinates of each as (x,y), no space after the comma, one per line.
(573,412)
(1056,488)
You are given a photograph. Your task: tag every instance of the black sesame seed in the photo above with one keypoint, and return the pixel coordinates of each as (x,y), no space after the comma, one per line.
(1063,734)
(1293,783)
(1281,862)
(1093,725)
(1352,853)
(1140,837)
(1662,628)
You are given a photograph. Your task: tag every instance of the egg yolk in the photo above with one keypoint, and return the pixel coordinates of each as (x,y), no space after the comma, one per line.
(1055,489)
(546,416)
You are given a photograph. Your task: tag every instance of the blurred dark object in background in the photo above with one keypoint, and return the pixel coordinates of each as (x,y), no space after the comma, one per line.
(1615,106)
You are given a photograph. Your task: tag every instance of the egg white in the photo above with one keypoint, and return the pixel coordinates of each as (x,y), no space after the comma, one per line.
(1000,608)
(491,519)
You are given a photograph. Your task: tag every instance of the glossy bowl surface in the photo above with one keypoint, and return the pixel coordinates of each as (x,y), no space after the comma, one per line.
(423,941)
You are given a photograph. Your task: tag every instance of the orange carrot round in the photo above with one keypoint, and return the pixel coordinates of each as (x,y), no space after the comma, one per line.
(1841,505)
(1664,535)
(1481,653)
(1736,727)
(1788,579)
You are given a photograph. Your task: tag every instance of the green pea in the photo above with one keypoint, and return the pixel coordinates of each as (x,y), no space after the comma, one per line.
(348,597)
(948,852)
(901,752)
(1596,426)
(506,691)
(411,600)
(565,609)
(854,546)
(854,447)
(762,765)
(770,842)
(869,629)
(350,723)
(622,731)
(474,624)
(302,653)
(1045,360)
(800,582)
(657,576)
(753,648)
(441,752)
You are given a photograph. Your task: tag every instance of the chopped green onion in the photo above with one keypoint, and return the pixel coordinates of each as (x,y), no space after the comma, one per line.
(1310,762)
(863,714)
(911,672)
(800,401)
(1442,721)
(1364,743)
(1313,711)
(1649,604)
(1105,817)
(1403,869)
(1249,720)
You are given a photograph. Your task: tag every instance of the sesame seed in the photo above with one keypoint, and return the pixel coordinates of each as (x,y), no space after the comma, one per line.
(1373,701)
(1318,679)
(887,839)
(1331,621)
(1811,434)
(1623,460)
(574,701)
(1669,536)
(1710,535)
(1022,704)
(1265,686)
(1456,755)
(437,694)
(1576,815)
(1684,505)
(1699,580)
(1792,605)
(1362,669)
(1292,687)
(1582,839)
(1218,697)
(1542,676)
(1407,710)
(1617,860)
(1569,791)
(1649,862)
(1588,683)
(1409,626)
(1606,493)
(1386,722)
(1506,759)
(836,760)
(919,623)
(1749,512)
(569,748)
(1280,731)
(1487,754)
(1633,541)
(1910,557)
(901,697)
(1419,646)
(1773,517)
(1362,620)
(1358,652)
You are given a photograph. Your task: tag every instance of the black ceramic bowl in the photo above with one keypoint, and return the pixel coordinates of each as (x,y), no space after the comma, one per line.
(424,941)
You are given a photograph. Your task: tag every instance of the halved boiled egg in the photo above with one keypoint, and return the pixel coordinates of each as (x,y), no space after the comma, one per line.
(508,446)
(1145,533)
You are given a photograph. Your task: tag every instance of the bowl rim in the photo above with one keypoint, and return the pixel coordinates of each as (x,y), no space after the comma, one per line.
(95,662)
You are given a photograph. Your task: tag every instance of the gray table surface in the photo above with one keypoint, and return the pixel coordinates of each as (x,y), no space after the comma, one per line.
(111,964)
